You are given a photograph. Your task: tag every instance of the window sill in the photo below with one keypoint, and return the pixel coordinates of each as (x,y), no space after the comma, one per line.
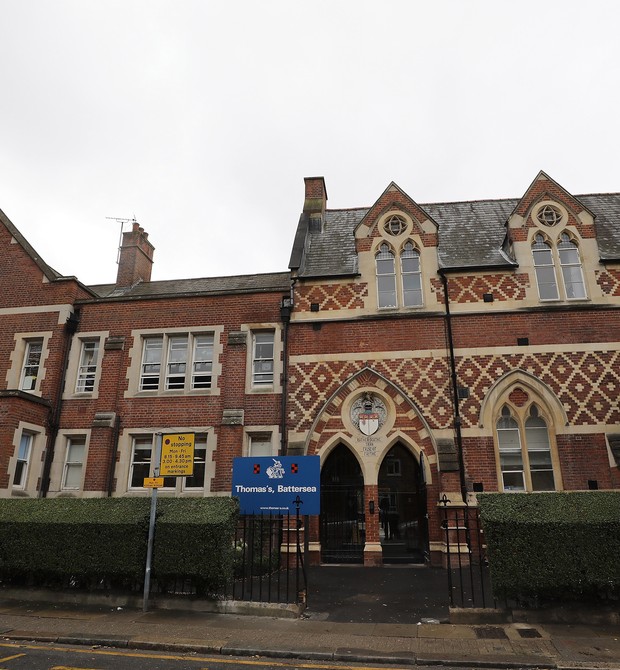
(267,388)
(174,394)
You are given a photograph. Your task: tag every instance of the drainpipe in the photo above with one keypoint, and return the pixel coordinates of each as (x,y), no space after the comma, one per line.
(111,468)
(70,329)
(455,390)
(286,307)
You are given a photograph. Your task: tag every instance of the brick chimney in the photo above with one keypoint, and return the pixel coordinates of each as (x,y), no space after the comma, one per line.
(135,258)
(316,195)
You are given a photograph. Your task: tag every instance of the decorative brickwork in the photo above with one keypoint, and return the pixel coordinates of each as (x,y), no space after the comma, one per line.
(542,189)
(518,397)
(586,383)
(471,288)
(426,380)
(331,296)
(407,420)
(609,281)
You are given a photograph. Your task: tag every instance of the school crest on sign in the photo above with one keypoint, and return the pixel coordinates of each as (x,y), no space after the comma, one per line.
(368,414)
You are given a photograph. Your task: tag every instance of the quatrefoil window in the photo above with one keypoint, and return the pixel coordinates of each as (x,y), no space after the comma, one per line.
(549,215)
(395,225)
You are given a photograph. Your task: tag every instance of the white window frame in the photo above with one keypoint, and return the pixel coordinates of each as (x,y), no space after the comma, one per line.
(262,378)
(567,243)
(169,372)
(27,364)
(387,298)
(393,271)
(260,444)
(202,367)
(71,464)
(202,451)
(145,465)
(558,264)
(87,367)
(544,262)
(518,418)
(176,362)
(23,459)
(410,251)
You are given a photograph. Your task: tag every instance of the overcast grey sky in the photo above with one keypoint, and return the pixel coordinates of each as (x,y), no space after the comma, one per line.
(201,118)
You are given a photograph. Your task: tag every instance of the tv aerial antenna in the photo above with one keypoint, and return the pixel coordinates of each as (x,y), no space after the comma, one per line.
(122,221)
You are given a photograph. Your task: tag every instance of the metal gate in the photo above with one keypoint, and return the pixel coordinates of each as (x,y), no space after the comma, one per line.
(343,531)
(469,581)
(342,521)
(268,559)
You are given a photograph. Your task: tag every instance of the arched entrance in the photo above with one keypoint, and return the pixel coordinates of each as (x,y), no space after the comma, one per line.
(342,528)
(402,505)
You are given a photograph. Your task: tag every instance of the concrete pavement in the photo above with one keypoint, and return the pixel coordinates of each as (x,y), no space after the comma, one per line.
(315,637)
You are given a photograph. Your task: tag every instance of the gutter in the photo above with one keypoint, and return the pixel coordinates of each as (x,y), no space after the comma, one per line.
(71,326)
(455,390)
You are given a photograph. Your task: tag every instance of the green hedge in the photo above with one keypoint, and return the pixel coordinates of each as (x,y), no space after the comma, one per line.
(54,540)
(194,538)
(560,546)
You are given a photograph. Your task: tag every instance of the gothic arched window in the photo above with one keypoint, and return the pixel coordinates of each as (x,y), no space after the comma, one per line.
(547,258)
(411,275)
(386,277)
(525,460)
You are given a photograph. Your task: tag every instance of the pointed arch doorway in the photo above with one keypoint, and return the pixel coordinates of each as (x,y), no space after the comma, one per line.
(342,528)
(402,504)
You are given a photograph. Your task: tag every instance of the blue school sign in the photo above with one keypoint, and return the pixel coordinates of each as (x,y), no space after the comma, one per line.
(272,484)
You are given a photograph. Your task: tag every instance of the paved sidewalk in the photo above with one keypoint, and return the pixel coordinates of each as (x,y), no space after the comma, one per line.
(316,638)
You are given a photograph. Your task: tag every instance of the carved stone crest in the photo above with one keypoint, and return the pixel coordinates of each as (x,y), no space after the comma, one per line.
(368,413)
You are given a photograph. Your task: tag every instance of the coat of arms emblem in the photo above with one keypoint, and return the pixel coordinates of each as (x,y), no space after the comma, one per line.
(368,414)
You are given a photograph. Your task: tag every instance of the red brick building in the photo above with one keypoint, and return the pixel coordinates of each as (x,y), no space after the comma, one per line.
(510,384)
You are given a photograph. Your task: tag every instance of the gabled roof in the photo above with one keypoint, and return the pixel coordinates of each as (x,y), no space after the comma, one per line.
(258,283)
(48,271)
(471,235)
(395,197)
(331,252)
(606,209)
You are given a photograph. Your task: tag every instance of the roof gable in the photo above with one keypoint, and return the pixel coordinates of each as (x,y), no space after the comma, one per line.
(394,199)
(545,188)
(17,238)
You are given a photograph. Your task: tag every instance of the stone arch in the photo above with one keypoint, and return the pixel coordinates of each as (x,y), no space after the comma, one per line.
(529,382)
(416,451)
(418,437)
(334,441)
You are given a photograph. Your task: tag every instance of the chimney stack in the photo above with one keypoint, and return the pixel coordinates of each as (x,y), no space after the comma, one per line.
(135,259)
(316,196)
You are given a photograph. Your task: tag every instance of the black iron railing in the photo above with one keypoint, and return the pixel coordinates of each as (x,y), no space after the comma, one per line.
(269,560)
(469,581)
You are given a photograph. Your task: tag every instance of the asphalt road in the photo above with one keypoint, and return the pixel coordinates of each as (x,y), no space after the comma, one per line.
(59,657)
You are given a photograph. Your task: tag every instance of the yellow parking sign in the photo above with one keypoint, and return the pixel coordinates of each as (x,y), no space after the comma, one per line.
(177,455)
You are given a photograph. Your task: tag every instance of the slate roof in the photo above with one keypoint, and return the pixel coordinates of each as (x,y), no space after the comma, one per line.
(257,283)
(471,235)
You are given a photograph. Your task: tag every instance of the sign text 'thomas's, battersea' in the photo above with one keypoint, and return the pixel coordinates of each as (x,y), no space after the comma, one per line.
(273,483)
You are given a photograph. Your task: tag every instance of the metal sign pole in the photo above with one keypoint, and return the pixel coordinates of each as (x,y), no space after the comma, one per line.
(149,549)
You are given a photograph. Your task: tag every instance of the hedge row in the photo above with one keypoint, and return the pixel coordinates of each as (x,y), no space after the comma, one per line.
(552,546)
(62,539)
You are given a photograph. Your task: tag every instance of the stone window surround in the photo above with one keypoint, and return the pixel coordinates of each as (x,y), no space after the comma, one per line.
(278,370)
(74,363)
(552,238)
(253,432)
(60,457)
(125,448)
(135,357)
(520,414)
(35,457)
(14,373)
